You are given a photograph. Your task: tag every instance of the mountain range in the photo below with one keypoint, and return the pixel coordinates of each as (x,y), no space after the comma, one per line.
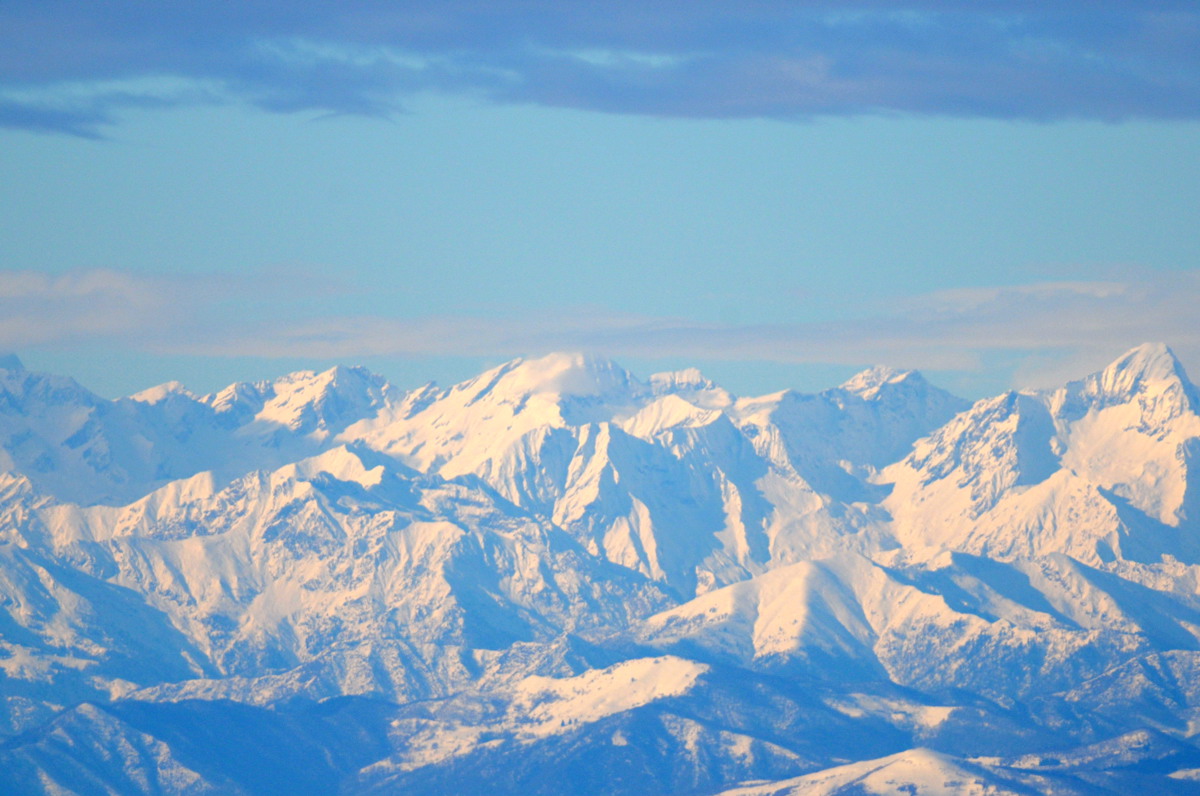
(559,578)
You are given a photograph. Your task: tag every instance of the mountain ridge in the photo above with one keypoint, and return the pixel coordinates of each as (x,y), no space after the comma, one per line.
(554,569)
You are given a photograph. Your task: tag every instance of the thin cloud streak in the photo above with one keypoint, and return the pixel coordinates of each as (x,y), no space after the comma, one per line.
(134,311)
(1045,328)
(39,309)
(941,331)
(795,60)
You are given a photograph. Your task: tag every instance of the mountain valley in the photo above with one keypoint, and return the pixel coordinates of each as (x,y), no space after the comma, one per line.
(559,578)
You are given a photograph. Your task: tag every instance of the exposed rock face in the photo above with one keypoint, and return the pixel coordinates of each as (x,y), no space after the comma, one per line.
(557,578)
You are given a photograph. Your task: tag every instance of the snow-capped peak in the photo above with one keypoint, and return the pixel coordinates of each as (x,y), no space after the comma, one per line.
(560,571)
(335,397)
(243,396)
(1148,376)
(686,379)
(691,385)
(1148,363)
(563,373)
(340,462)
(868,383)
(162,392)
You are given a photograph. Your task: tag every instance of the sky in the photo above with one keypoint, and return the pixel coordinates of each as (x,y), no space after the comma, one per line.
(999,193)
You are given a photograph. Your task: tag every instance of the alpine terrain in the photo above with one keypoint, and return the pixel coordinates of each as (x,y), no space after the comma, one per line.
(556,578)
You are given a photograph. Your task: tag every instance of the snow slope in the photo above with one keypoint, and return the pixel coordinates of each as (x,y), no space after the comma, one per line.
(556,577)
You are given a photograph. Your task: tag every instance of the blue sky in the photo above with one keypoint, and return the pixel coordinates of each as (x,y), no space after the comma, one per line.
(998,193)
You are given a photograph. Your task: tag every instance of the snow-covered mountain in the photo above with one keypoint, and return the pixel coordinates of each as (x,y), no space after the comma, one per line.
(557,577)
(1105,468)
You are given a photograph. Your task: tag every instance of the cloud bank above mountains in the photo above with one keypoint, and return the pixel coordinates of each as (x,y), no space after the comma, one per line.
(1050,330)
(72,67)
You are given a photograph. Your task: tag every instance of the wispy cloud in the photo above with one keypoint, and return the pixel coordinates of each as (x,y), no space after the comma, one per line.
(40,309)
(1047,330)
(952,329)
(1005,58)
(130,310)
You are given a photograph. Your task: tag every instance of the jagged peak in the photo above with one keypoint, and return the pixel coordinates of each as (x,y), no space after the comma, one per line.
(1147,368)
(16,380)
(330,393)
(161,392)
(867,383)
(665,412)
(237,394)
(338,375)
(1148,362)
(335,396)
(12,363)
(309,386)
(988,410)
(685,379)
(341,462)
(562,373)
